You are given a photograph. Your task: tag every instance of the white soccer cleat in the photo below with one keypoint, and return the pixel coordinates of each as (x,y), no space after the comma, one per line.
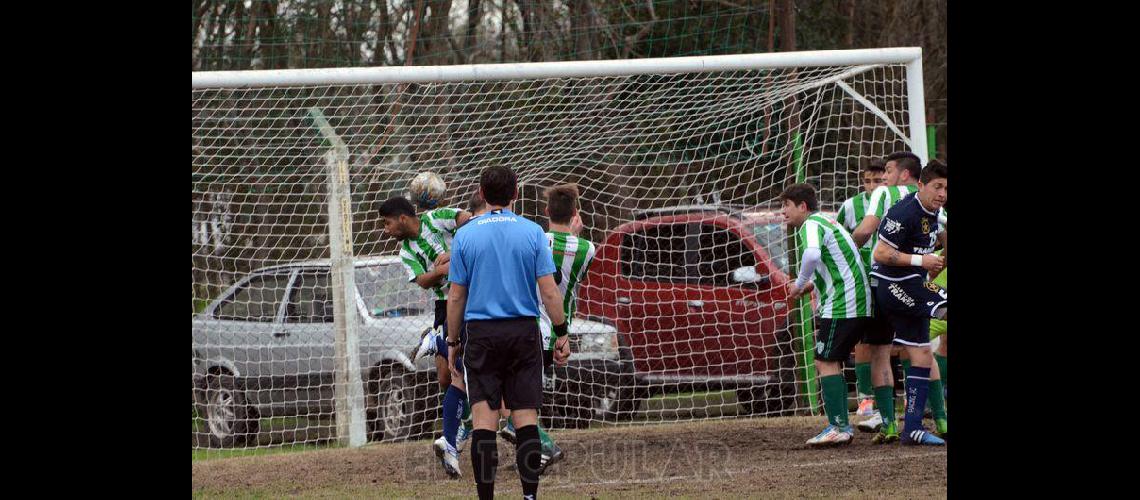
(832,436)
(872,424)
(462,436)
(448,457)
(866,408)
(427,345)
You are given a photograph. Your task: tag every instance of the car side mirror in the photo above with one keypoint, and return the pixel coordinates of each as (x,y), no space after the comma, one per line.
(748,274)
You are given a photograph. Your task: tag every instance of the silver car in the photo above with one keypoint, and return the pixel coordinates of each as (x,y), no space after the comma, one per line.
(265,348)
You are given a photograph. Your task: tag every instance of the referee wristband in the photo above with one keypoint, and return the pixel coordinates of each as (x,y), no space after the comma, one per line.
(560,330)
(916,260)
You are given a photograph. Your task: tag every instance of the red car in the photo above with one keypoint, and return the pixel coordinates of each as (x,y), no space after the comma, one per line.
(698,296)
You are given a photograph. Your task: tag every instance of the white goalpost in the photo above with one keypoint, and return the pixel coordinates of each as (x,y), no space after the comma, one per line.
(304,322)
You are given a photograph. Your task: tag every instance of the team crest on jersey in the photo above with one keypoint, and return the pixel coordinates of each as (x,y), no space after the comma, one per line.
(892,226)
(925,225)
(932,286)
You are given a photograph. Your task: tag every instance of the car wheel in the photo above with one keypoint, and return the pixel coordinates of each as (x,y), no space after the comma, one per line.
(777,397)
(228,420)
(398,408)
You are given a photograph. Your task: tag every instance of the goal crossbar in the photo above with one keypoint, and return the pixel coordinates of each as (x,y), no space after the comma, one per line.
(564,69)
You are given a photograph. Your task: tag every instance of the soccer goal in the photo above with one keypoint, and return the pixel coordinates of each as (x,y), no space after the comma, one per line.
(304,321)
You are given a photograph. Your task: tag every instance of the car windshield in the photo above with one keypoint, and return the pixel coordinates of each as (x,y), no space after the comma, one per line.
(388,293)
(774,238)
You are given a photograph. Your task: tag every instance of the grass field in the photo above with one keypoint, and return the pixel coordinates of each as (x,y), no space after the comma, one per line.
(750,457)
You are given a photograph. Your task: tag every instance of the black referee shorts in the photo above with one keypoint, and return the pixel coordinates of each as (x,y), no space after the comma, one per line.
(503,361)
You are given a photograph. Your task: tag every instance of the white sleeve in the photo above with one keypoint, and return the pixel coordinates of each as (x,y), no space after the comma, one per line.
(811,259)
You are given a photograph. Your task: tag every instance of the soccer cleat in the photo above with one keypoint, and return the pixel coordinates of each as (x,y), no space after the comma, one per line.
(866,408)
(940,428)
(550,458)
(872,424)
(508,432)
(448,457)
(886,435)
(462,436)
(427,345)
(832,436)
(921,437)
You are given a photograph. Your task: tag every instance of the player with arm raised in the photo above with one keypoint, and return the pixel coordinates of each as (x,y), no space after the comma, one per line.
(425,244)
(850,215)
(904,260)
(830,264)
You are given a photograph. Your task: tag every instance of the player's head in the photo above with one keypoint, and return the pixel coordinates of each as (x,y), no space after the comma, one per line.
(561,203)
(932,185)
(902,168)
(873,175)
(399,217)
(476,205)
(498,185)
(799,202)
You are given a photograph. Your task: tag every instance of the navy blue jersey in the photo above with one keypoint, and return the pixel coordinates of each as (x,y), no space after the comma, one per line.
(909,228)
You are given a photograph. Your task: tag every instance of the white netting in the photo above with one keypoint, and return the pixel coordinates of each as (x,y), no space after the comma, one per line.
(691,340)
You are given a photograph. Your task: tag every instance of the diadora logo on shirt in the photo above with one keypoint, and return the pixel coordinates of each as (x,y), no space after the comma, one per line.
(497,219)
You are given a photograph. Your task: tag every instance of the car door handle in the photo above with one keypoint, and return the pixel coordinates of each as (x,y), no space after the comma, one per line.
(624,300)
(696,304)
(280,334)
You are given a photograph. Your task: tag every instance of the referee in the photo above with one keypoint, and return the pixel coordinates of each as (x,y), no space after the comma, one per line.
(496,262)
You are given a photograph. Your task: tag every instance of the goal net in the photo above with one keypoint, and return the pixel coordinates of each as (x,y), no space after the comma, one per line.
(304,322)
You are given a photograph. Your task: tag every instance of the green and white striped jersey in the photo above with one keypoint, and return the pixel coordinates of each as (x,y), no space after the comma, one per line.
(850,215)
(437,228)
(882,199)
(840,278)
(572,256)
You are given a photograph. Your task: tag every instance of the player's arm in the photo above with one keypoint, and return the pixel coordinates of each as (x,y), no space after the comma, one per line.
(431,279)
(552,302)
(456,305)
(811,258)
(942,243)
(888,255)
(866,228)
(461,218)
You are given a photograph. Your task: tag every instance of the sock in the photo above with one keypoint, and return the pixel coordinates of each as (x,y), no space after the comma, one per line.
(835,399)
(941,368)
(467,424)
(885,401)
(935,399)
(484,461)
(528,456)
(905,369)
(452,412)
(547,441)
(917,386)
(863,379)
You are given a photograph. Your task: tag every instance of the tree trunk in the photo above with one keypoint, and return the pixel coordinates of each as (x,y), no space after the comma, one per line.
(849,14)
(470,37)
(438,33)
(582,29)
(787,25)
(384,37)
(413,32)
(323,39)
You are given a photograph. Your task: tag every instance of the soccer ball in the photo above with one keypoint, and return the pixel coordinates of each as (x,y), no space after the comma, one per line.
(426,190)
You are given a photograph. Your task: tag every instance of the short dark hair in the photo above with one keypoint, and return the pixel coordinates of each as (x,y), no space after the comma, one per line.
(395,207)
(907,161)
(933,170)
(875,166)
(499,185)
(801,193)
(562,201)
(476,203)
